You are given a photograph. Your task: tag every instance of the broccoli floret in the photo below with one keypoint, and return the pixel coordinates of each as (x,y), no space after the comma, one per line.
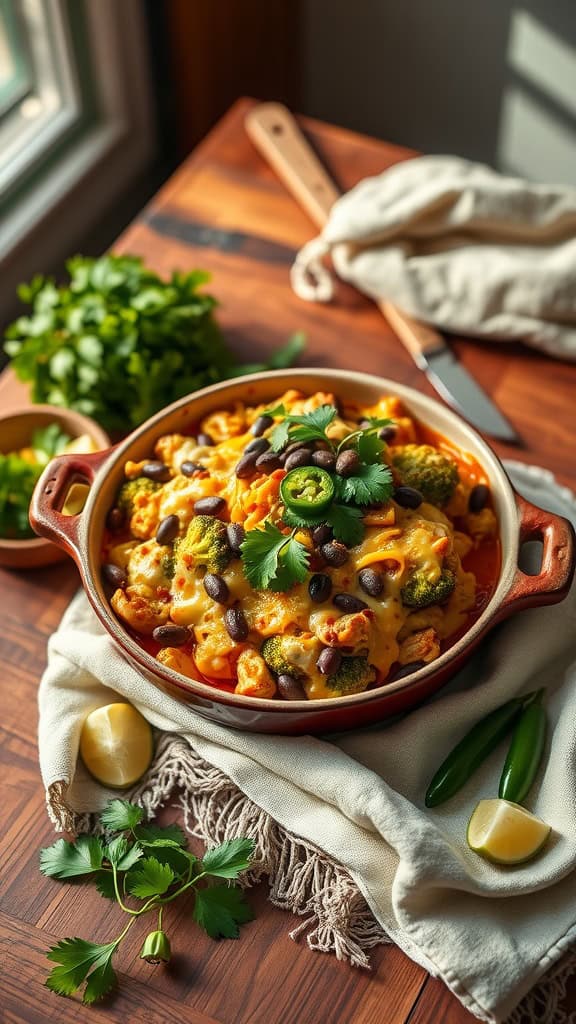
(274,651)
(169,566)
(205,543)
(428,470)
(353,676)
(131,488)
(419,591)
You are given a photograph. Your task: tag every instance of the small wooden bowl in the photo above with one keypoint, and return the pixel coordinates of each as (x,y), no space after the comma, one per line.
(16,430)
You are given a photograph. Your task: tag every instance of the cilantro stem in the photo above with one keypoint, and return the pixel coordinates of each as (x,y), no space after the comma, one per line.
(127,910)
(160,911)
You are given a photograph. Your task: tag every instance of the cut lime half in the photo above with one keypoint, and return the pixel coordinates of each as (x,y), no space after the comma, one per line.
(116,745)
(506,833)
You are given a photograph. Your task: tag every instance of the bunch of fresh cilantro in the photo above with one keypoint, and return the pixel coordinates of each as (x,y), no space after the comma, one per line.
(118,343)
(144,868)
(274,560)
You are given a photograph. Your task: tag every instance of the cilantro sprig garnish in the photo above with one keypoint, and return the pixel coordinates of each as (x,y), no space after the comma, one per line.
(274,560)
(152,865)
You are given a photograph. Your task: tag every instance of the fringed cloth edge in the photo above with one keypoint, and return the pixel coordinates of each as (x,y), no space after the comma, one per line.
(301,879)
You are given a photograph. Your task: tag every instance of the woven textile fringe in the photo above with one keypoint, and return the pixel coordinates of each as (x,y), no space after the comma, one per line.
(302,879)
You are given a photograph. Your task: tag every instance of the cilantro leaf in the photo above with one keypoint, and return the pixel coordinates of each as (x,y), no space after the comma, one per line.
(122,855)
(105,884)
(150,878)
(369,485)
(346,523)
(147,834)
(76,957)
(99,982)
(280,435)
(220,911)
(273,560)
(345,520)
(309,427)
(228,859)
(121,815)
(370,447)
(69,860)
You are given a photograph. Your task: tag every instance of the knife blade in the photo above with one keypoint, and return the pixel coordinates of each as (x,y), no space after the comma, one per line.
(433,355)
(276,135)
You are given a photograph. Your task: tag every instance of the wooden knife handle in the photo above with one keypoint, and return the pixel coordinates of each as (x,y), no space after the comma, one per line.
(276,134)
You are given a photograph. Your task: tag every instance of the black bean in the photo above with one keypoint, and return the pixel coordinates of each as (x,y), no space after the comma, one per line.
(478,497)
(258,445)
(168,530)
(188,468)
(235,533)
(407,497)
(347,462)
(246,466)
(334,553)
(261,424)
(329,661)
(171,635)
(320,587)
(363,423)
(156,471)
(295,446)
(204,440)
(216,587)
(407,670)
(348,603)
(114,574)
(235,622)
(289,688)
(115,519)
(321,534)
(209,506)
(301,457)
(268,462)
(387,433)
(372,582)
(325,460)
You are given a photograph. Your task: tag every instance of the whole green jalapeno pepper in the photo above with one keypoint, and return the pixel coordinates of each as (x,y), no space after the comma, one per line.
(472,750)
(525,753)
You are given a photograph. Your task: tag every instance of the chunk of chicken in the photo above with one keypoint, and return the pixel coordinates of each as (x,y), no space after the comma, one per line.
(351,631)
(254,676)
(422,646)
(139,610)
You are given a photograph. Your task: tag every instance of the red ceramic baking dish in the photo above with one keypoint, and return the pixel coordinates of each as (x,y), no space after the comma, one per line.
(519,521)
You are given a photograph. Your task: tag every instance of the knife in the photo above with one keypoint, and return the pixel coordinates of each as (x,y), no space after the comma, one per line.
(276,135)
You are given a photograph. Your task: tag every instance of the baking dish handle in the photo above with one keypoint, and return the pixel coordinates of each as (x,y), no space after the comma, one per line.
(50,492)
(552,583)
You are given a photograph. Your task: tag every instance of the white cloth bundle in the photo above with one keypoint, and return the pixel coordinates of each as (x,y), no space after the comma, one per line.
(489,932)
(459,246)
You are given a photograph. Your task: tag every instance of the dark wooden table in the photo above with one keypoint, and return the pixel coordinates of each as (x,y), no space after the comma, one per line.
(225,210)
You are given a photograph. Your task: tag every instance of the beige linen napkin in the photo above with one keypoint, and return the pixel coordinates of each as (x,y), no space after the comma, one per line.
(488,932)
(457,245)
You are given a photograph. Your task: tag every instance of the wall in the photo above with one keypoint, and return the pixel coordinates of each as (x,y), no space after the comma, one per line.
(487,79)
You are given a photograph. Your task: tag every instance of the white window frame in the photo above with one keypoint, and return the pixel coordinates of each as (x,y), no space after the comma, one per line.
(47,220)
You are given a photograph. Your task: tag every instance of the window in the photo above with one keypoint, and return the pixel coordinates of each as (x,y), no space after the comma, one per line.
(76,124)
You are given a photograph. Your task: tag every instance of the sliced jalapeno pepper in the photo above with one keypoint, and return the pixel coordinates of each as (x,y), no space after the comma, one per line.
(525,753)
(472,750)
(307,490)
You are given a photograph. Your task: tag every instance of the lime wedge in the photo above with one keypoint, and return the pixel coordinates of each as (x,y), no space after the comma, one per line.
(81,445)
(116,744)
(505,833)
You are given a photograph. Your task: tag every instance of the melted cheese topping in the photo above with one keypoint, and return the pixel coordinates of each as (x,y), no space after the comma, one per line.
(396,543)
